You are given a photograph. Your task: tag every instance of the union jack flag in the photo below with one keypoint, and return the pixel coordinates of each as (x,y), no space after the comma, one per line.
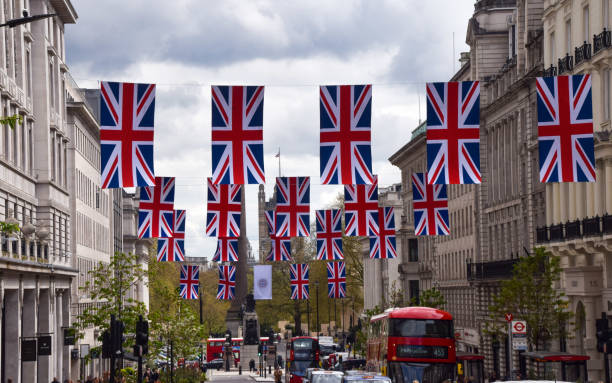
(382,244)
(224,207)
(360,208)
(237,135)
(565,129)
(269,215)
(126,134)
(299,280)
(227,282)
(173,249)
(430,205)
(453,134)
(156,209)
(280,249)
(292,218)
(227,250)
(190,279)
(346,154)
(336,280)
(329,234)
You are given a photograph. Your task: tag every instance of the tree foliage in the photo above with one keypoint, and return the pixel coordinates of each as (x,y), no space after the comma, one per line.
(530,295)
(109,285)
(430,298)
(12,121)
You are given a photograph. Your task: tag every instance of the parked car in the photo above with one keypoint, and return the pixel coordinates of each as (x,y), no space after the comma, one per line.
(326,377)
(215,364)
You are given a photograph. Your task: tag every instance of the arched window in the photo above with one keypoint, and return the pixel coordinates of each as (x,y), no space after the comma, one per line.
(580,328)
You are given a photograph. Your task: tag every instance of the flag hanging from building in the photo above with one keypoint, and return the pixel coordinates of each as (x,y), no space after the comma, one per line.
(430,206)
(269,216)
(173,249)
(360,207)
(126,134)
(262,282)
(299,280)
(156,209)
(382,244)
(565,129)
(292,217)
(453,132)
(329,234)
(227,250)
(336,279)
(345,123)
(227,282)
(280,249)
(189,282)
(237,135)
(224,207)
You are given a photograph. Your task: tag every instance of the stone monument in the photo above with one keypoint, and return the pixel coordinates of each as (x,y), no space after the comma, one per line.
(250,324)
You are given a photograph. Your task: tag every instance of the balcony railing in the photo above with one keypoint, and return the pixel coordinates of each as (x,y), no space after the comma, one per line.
(582,53)
(566,64)
(587,227)
(551,71)
(490,270)
(601,41)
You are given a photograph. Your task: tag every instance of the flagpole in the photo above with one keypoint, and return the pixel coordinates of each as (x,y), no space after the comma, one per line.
(279,162)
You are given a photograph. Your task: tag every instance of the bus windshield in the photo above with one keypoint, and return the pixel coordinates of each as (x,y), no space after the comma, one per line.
(422,328)
(302,344)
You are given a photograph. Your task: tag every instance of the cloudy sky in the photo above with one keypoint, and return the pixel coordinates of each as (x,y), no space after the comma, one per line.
(289,46)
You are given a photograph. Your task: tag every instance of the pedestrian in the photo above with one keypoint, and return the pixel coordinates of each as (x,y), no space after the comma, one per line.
(278,375)
(55,380)
(89,379)
(251,365)
(154,376)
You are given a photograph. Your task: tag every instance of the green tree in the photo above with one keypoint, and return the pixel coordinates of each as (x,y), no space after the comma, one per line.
(12,121)
(430,298)
(530,295)
(108,285)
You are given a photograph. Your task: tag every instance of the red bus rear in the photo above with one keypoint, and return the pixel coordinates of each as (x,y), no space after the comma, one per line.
(412,343)
(303,353)
(214,348)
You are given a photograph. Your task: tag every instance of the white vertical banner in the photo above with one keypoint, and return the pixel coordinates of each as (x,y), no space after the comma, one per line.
(262,282)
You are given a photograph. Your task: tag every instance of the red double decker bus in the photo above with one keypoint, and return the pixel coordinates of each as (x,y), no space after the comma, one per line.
(304,353)
(412,343)
(214,348)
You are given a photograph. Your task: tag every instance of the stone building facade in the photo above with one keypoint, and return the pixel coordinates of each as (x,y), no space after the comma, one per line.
(578,219)
(36,264)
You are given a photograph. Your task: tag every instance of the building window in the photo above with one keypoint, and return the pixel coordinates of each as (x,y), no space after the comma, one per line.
(606,94)
(605,13)
(51,86)
(568,36)
(24,144)
(28,74)
(414,291)
(585,23)
(413,250)
(553,54)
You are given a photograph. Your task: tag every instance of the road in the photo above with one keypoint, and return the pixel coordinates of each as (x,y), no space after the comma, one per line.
(232,378)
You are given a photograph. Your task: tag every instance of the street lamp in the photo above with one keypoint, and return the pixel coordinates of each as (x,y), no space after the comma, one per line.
(317,292)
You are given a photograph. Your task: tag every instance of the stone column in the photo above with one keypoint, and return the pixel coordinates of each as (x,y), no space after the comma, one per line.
(563,191)
(44,320)
(232,318)
(12,361)
(590,316)
(556,200)
(572,202)
(57,308)
(65,322)
(580,202)
(599,184)
(590,199)
(549,204)
(29,330)
(608,186)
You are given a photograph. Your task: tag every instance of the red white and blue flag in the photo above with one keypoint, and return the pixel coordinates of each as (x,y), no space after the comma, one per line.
(227,282)
(269,215)
(360,208)
(126,134)
(299,280)
(189,282)
(329,234)
(237,135)
(346,151)
(280,249)
(430,205)
(336,279)
(173,249)
(382,244)
(227,250)
(223,217)
(453,132)
(565,129)
(292,217)
(156,209)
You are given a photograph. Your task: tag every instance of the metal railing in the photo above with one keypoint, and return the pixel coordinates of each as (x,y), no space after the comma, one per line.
(490,270)
(566,64)
(582,53)
(602,41)
(551,71)
(587,227)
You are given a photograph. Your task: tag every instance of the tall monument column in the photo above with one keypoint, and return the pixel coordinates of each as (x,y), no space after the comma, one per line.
(232,318)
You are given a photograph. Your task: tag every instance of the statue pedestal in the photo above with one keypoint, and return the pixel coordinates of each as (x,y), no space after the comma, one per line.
(233,321)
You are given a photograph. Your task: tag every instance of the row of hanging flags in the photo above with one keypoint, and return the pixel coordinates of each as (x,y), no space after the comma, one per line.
(566,154)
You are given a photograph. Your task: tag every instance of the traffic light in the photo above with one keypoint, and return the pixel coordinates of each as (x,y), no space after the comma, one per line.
(142,335)
(604,334)
(106,344)
(117,328)
(259,349)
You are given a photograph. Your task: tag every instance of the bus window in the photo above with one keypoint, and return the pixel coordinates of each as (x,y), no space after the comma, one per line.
(421,328)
